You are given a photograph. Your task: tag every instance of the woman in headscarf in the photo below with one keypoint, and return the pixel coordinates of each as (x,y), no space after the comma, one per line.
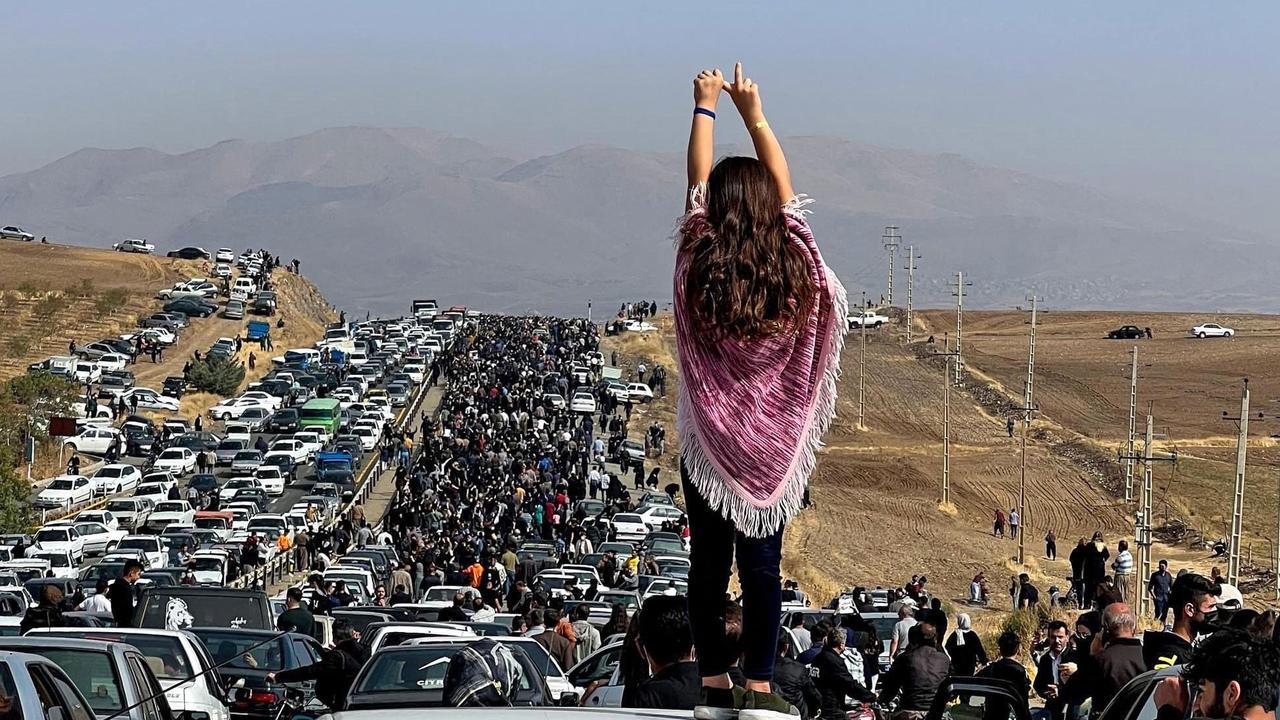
(965,648)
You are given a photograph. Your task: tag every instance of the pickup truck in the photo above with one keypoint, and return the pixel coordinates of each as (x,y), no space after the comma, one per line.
(57,365)
(257,329)
(336,468)
(869,318)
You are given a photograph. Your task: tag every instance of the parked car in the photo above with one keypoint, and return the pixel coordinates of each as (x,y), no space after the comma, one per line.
(150,399)
(134,245)
(247,657)
(234,310)
(177,659)
(177,460)
(179,606)
(13,232)
(65,492)
(116,478)
(1127,332)
(95,441)
(57,698)
(1205,330)
(189,253)
(868,318)
(191,306)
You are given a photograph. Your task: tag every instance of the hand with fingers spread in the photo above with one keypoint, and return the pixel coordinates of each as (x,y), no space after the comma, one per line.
(746,96)
(707,87)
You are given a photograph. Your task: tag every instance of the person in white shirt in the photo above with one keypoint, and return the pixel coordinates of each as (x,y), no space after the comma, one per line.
(97,602)
(906,620)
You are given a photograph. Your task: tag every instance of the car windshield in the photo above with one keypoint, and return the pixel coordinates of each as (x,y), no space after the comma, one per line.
(174,506)
(146,544)
(627,519)
(172,455)
(121,506)
(207,563)
(51,536)
(437,594)
(237,650)
(109,472)
(61,485)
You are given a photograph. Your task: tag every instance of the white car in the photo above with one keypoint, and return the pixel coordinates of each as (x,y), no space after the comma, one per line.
(153,491)
(639,391)
(134,245)
(629,527)
(229,489)
(222,271)
(583,401)
(1212,330)
(237,432)
(111,362)
(172,512)
(295,449)
(177,460)
(60,537)
(271,478)
(417,372)
(267,400)
(98,538)
(61,563)
(150,399)
(368,436)
(640,326)
(655,515)
(86,372)
(869,318)
(66,491)
(311,441)
(105,518)
(225,255)
(13,232)
(116,478)
(150,546)
(233,408)
(554,399)
(94,440)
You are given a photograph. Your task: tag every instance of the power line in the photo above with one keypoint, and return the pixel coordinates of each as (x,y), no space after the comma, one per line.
(910,267)
(959,294)
(1237,506)
(946,417)
(890,239)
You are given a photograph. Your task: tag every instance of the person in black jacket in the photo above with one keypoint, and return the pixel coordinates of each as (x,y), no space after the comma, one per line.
(122,600)
(1077,575)
(336,670)
(46,614)
(1101,675)
(1095,556)
(792,680)
(1048,683)
(917,673)
(965,648)
(1008,670)
(834,681)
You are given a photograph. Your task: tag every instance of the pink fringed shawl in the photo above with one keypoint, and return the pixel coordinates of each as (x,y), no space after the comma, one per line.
(751,414)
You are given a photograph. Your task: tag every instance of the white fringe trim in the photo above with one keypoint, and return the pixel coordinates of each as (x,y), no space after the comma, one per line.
(752,521)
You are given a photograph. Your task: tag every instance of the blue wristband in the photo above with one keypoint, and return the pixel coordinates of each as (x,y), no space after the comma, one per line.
(704,111)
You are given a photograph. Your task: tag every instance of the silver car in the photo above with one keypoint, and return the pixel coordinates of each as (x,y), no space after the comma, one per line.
(113,675)
(234,310)
(19,673)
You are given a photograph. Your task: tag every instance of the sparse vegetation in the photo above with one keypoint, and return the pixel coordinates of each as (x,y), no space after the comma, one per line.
(111,300)
(17,345)
(51,304)
(217,376)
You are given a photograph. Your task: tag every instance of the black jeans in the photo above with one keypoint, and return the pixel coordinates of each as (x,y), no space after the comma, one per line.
(713,540)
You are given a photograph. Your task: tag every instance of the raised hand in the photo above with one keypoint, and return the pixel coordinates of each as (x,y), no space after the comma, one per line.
(745,94)
(707,87)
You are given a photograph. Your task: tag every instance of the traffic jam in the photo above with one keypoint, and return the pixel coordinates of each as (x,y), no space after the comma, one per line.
(201,569)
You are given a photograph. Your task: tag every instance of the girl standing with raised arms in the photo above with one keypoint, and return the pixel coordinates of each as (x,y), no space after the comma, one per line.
(759,329)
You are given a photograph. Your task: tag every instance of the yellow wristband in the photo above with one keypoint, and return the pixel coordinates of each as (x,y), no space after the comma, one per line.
(760,125)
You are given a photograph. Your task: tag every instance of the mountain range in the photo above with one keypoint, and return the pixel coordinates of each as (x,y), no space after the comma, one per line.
(378,216)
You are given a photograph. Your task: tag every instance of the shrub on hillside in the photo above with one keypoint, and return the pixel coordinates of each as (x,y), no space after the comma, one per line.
(110,300)
(30,289)
(51,304)
(17,345)
(84,289)
(218,376)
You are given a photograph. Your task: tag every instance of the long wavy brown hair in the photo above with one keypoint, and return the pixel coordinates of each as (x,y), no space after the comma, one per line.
(747,279)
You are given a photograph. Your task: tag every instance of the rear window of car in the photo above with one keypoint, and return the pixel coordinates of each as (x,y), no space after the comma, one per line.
(176,611)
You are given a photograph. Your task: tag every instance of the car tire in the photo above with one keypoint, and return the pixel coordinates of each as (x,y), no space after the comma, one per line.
(1202,335)
(1228,334)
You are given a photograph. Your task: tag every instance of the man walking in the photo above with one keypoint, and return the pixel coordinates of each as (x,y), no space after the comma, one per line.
(1158,587)
(1014,520)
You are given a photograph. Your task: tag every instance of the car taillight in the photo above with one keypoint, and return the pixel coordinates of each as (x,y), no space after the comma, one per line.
(262,697)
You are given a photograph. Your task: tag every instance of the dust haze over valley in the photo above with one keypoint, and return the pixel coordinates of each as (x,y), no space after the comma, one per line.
(380,215)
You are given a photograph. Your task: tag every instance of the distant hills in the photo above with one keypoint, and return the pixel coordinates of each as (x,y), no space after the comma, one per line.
(378,216)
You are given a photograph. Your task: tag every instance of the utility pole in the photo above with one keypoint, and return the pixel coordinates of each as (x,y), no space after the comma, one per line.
(959,294)
(1133,407)
(1143,519)
(890,240)
(910,267)
(1237,508)
(1028,407)
(946,418)
(862,366)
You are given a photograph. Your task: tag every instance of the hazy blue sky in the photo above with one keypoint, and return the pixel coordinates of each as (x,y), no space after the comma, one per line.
(1175,101)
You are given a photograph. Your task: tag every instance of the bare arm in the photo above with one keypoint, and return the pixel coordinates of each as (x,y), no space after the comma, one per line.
(746,97)
(706,92)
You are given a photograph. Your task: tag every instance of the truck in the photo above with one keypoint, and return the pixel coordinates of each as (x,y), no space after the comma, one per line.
(257,329)
(61,365)
(335,467)
(867,318)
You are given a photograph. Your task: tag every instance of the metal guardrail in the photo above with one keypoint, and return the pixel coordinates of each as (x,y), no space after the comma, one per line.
(285,564)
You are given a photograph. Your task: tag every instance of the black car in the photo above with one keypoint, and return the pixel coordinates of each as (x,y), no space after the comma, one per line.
(204,483)
(198,441)
(215,606)
(251,655)
(349,444)
(412,676)
(174,386)
(284,421)
(279,388)
(288,468)
(253,495)
(190,306)
(1128,332)
(190,253)
(139,437)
